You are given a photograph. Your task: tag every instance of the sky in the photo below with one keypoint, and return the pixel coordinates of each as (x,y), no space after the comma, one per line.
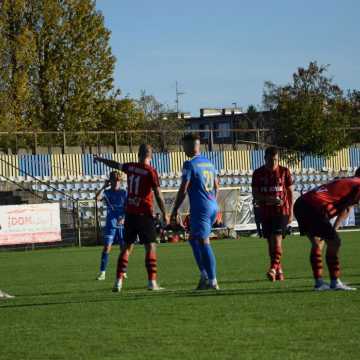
(222,52)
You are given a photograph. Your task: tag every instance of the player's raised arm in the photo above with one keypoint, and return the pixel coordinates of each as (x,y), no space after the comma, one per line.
(110,163)
(100,191)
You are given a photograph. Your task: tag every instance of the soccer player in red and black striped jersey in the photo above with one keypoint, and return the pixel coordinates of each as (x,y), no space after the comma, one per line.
(313,211)
(272,187)
(142,182)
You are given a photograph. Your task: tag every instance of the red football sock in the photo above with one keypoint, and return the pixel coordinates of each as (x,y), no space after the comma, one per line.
(271,253)
(151,265)
(122,264)
(276,260)
(316,262)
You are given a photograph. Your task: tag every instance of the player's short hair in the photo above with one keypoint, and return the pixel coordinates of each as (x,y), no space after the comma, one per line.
(271,151)
(191,137)
(115,176)
(357,172)
(144,150)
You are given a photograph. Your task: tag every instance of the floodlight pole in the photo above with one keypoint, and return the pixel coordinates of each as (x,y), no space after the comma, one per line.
(178,93)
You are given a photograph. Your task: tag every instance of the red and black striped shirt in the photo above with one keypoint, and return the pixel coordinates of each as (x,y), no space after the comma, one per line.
(332,198)
(276,183)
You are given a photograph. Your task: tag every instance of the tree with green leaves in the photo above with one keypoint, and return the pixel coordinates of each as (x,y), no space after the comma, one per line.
(354,98)
(164,120)
(311,114)
(56,65)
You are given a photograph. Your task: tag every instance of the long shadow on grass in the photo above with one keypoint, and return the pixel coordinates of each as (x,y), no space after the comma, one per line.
(106,290)
(133,295)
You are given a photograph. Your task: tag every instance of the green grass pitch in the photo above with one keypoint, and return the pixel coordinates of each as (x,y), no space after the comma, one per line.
(61,312)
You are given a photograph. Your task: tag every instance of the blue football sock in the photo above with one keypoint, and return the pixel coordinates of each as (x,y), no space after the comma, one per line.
(121,243)
(333,282)
(198,255)
(121,238)
(104,261)
(209,260)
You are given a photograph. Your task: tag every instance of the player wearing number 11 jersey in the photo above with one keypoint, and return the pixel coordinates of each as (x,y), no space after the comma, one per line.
(142,182)
(199,181)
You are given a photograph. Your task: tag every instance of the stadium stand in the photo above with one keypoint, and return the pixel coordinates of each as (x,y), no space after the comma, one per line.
(66,178)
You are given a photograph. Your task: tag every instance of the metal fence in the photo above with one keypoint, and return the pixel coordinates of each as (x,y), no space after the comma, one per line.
(66,142)
(128,141)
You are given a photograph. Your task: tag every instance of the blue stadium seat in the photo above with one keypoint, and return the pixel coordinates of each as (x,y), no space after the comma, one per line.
(43,187)
(50,196)
(228,181)
(75,195)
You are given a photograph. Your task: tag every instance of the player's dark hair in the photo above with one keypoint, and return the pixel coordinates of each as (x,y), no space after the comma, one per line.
(115,175)
(357,172)
(191,137)
(144,150)
(271,151)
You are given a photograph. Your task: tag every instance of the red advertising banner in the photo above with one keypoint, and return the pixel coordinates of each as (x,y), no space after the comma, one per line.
(29,224)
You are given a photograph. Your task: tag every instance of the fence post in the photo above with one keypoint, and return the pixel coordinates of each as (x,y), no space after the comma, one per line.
(64,142)
(76,218)
(211,140)
(97,223)
(258,135)
(35,143)
(115,142)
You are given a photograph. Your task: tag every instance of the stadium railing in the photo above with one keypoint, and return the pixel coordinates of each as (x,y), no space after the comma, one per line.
(32,190)
(76,192)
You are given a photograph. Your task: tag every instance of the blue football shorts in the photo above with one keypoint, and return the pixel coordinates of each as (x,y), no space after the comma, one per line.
(201,222)
(113,235)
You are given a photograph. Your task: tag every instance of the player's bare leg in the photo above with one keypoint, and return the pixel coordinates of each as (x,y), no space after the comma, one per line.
(122,265)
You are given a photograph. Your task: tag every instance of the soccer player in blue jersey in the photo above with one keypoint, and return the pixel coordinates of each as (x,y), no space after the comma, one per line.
(115,199)
(199,181)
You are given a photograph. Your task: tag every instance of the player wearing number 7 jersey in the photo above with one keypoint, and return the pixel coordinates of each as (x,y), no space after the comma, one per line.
(200,182)
(142,181)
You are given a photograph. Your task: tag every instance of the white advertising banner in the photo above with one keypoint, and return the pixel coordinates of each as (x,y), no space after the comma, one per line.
(29,224)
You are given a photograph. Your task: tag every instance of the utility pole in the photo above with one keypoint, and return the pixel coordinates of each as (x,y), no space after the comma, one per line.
(233,134)
(178,93)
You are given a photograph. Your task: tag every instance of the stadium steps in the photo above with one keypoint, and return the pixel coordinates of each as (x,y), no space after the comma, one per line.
(10,198)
